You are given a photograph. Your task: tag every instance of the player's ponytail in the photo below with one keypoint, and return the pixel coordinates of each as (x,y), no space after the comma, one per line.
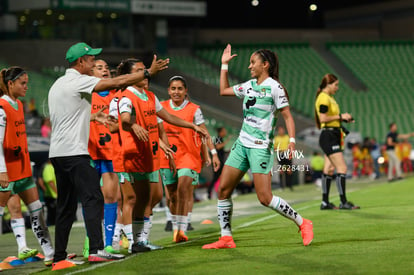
(273,60)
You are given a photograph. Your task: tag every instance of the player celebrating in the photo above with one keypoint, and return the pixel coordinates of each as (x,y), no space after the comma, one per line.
(264,97)
(187,157)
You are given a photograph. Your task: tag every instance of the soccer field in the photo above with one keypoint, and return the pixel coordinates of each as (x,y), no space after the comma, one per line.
(377,239)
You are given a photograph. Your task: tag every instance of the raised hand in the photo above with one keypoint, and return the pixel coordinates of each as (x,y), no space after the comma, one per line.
(227,56)
(158,65)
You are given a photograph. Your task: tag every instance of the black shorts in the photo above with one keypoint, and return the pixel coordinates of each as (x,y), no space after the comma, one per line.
(330,140)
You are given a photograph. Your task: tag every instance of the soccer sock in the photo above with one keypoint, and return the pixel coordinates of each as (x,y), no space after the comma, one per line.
(181,223)
(282,207)
(168,213)
(174,222)
(117,233)
(326,186)
(129,234)
(110,214)
(224,213)
(340,184)
(1,219)
(40,229)
(19,231)
(146,229)
(137,226)
(189,217)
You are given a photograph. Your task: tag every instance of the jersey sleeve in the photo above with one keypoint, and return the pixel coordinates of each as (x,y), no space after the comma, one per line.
(158,106)
(198,117)
(241,89)
(125,105)
(113,107)
(3,167)
(280,97)
(323,101)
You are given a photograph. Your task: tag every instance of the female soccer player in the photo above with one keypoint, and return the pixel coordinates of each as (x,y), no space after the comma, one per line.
(15,167)
(264,97)
(138,110)
(100,150)
(328,118)
(187,157)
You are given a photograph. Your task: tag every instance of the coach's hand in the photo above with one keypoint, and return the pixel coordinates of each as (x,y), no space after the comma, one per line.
(158,65)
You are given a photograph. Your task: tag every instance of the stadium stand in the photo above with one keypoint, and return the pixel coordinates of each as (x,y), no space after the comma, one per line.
(386,69)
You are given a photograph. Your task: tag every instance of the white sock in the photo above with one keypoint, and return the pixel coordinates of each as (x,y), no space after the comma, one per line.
(174,222)
(189,217)
(128,233)
(137,226)
(19,231)
(40,229)
(146,230)
(168,213)
(283,208)
(224,212)
(117,233)
(181,222)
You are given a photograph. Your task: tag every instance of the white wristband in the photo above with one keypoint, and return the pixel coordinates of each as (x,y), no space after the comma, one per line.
(292,139)
(224,67)
(213,151)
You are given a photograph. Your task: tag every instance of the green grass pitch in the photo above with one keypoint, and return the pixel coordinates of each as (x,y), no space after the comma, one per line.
(377,239)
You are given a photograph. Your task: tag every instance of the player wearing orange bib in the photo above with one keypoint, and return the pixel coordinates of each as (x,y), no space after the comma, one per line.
(138,110)
(15,167)
(188,148)
(100,150)
(128,194)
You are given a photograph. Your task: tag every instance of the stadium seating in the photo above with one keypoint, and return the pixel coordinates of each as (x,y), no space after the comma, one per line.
(386,69)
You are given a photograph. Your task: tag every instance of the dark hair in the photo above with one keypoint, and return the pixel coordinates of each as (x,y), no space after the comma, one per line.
(10,74)
(126,65)
(219,129)
(273,60)
(178,78)
(327,79)
(391,124)
(73,63)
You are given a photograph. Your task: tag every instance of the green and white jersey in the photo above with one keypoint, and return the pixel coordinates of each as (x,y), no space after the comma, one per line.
(261,104)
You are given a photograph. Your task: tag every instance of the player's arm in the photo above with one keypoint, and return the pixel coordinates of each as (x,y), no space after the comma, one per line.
(209,146)
(290,126)
(125,109)
(225,89)
(130,79)
(175,120)
(405,136)
(4,178)
(169,153)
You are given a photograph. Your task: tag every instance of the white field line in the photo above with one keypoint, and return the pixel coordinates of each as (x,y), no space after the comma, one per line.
(247,224)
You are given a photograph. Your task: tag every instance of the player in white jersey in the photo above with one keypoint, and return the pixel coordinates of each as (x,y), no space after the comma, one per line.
(263,98)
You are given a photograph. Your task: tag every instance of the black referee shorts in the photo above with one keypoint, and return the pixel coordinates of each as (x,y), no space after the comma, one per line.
(330,140)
